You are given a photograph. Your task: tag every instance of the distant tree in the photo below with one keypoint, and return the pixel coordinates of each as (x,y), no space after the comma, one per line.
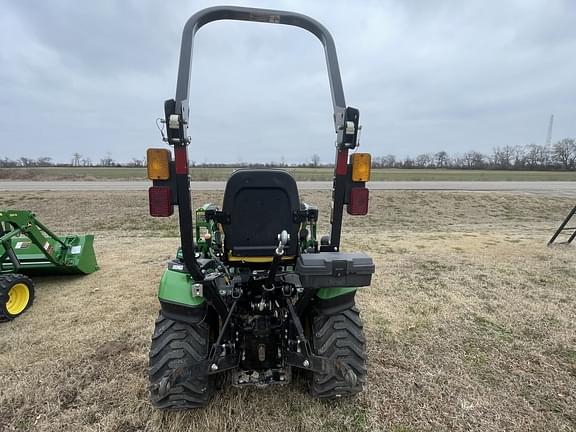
(441,159)
(26,162)
(564,152)
(389,161)
(44,161)
(8,163)
(380,162)
(536,156)
(474,160)
(519,157)
(502,157)
(425,160)
(467,160)
(107,161)
(408,162)
(136,163)
(455,161)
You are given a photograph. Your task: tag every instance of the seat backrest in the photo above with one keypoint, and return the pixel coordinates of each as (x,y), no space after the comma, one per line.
(260,203)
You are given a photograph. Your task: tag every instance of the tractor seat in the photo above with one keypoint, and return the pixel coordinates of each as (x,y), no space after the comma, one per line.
(259,204)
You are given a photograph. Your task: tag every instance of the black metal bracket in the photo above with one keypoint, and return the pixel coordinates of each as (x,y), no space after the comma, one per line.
(351,118)
(217,216)
(175,136)
(309,214)
(197,369)
(219,362)
(304,301)
(211,293)
(171,183)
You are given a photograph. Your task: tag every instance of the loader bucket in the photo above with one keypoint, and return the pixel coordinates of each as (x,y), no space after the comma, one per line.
(77,257)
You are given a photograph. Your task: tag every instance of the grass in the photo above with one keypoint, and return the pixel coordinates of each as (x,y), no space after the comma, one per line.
(469,322)
(301,174)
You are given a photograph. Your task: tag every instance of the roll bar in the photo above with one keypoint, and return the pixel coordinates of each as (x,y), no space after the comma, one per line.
(177,113)
(217,13)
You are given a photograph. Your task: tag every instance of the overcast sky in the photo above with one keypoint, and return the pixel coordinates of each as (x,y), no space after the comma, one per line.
(91,77)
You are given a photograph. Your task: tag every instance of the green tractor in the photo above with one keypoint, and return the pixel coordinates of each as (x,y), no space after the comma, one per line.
(27,247)
(252,292)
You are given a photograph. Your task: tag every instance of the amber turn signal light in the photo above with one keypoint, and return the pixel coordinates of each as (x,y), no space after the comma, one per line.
(361,165)
(158,166)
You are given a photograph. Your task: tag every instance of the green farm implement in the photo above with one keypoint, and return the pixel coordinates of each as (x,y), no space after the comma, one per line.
(28,248)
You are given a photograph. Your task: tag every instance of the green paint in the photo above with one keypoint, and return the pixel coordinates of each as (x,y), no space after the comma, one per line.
(176,287)
(40,251)
(203,227)
(328,293)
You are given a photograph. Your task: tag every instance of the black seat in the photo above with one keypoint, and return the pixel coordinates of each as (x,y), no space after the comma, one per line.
(260,203)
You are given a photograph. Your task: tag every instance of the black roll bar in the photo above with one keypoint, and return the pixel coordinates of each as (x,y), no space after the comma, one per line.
(177,115)
(217,13)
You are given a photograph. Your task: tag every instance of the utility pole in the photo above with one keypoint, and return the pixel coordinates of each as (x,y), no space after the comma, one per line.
(549,134)
(548,148)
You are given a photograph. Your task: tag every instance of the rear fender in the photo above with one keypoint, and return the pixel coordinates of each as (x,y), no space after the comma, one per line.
(177,300)
(331,301)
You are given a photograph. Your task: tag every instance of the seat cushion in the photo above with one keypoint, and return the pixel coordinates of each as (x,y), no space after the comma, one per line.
(260,203)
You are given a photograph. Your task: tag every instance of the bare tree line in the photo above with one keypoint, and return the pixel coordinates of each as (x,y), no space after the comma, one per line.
(561,155)
(77,160)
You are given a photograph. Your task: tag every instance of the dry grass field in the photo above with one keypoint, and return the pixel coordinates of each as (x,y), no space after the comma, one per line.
(470,323)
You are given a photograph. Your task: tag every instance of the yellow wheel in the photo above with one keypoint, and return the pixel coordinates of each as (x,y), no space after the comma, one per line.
(16,295)
(18,298)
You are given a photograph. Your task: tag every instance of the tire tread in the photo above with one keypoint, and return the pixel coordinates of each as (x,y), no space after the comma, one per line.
(174,345)
(339,337)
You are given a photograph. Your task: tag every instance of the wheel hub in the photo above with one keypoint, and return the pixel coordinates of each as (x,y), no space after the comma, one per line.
(18,298)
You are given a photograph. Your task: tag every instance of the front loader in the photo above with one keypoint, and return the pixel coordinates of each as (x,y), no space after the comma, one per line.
(253,292)
(27,247)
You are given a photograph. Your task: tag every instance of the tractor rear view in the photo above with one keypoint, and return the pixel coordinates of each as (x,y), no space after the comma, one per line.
(253,292)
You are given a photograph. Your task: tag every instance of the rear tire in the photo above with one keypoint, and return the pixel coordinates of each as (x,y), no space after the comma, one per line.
(16,295)
(177,345)
(339,337)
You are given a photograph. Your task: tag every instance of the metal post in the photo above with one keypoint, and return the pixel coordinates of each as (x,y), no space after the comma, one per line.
(561,227)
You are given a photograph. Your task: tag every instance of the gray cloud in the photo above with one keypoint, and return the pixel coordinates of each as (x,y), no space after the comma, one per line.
(427,75)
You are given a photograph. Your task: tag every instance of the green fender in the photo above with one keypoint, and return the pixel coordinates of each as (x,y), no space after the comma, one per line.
(176,287)
(330,293)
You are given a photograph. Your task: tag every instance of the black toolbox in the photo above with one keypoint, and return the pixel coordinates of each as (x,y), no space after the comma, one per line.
(335,269)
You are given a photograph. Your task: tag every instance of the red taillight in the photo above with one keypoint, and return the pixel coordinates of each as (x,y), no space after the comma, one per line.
(160,199)
(341,162)
(358,203)
(181,157)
